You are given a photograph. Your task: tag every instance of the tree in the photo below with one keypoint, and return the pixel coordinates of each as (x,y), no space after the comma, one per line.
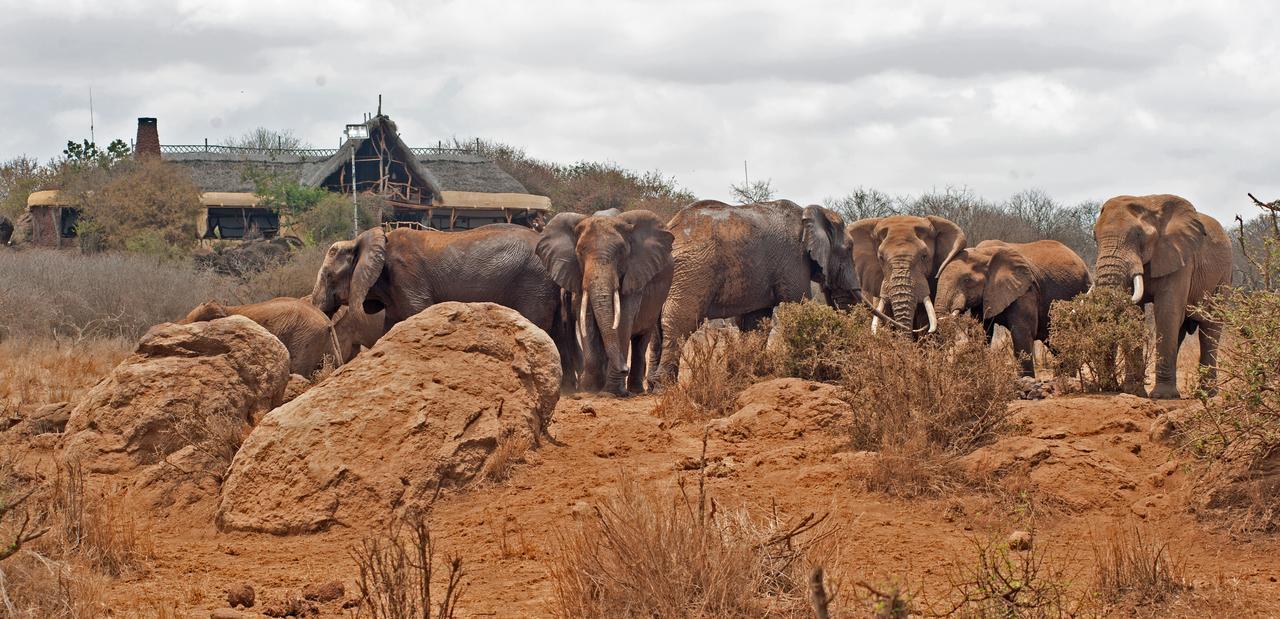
(750,193)
(263,138)
(146,206)
(19,177)
(862,203)
(86,153)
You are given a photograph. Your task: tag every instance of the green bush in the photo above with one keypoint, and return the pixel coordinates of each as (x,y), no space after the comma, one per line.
(814,341)
(1101,338)
(329,219)
(1244,421)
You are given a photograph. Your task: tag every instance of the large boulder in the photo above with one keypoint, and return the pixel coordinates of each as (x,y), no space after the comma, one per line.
(172,413)
(423,410)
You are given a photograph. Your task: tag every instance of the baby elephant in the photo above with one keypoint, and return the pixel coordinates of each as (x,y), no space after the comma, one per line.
(1012,285)
(302,328)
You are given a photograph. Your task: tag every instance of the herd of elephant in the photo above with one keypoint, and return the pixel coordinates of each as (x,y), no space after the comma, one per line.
(619,292)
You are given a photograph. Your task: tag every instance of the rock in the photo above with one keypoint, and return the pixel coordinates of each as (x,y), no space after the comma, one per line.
(49,418)
(1029,388)
(229,613)
(1019,540)
(188,392)
(783,408)
(323,592)
(291,606)
(241,595)
(423,409)
(1163,429)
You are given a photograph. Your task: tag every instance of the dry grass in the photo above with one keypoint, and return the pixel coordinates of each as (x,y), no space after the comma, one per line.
(38,372)
(509,452)
(90,539)
(645,553)
(923,404)
(399,577)
(999,581)
(1131,566)
(716,364)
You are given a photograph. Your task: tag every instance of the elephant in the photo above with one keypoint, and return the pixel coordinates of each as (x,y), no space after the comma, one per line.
(618,268)
(1012,285)
(742,261)
(912,252)
(304,330)
(1164,252)
(405,271)
(6,230)
(356,330)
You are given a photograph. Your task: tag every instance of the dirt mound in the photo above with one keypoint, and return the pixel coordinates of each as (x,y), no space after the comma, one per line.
(180,403)
(424,409)
(1087,452)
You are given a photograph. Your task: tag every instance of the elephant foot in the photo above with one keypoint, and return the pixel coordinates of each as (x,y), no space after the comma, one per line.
(1165,391)
(1137,390)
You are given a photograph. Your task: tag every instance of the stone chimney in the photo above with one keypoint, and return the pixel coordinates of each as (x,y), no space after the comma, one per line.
(148,142)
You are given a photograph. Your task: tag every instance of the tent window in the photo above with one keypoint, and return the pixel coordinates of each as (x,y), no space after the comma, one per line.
(238,223)
(67,225)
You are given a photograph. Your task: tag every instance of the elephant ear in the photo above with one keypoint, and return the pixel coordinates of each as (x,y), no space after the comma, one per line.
(1180,237)
(369,256)
(649,252)
(557,249)
(864,244)
(1009,276)
(825,241)
(948,240)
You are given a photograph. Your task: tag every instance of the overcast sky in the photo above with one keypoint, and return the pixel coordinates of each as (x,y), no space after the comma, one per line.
(1081,99)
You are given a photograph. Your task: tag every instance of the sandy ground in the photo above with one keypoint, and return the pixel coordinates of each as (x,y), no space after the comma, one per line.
(1096,469)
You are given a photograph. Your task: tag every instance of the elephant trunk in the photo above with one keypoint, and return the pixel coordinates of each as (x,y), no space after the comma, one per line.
(1117,266)
(606,306)
(901,292)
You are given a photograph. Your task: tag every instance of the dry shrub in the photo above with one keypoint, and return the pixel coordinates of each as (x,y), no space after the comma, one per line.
(645,553)
(36,586)
(1100,338)
(817,342)
(716,364)
(46,293)
(1132,567)
(35,372)
(998,581)
(295,277)
(1237,434)
(399,577)
(98,530)
(509,451)
(922,404)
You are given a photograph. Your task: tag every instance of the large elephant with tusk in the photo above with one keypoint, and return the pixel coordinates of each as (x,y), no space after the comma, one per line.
(618,268)
(898,260)
(1173,257)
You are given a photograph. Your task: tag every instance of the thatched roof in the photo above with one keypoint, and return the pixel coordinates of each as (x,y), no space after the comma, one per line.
(219,170)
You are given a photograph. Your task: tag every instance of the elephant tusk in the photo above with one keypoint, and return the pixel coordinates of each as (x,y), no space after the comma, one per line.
(955,312)
(617,308)
(875,319)
(582,317)
(1137,288)
(933,314)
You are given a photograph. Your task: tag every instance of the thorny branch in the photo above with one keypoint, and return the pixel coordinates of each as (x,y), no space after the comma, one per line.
(23,536)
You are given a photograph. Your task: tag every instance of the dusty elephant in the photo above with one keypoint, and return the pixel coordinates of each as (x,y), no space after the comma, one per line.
(356,330)
(1164,252)
(405,271)
(618,268)
(898,260)
(304,330)
(1012,285)
(742,261)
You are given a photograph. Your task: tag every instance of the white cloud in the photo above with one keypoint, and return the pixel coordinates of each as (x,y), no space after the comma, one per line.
(1082,99)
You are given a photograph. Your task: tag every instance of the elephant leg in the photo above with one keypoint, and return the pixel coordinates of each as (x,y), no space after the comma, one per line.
(1024,343)
(594,361)
(639,364)
(750,321)
(1170,312)
(1210,333)
(680,317)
